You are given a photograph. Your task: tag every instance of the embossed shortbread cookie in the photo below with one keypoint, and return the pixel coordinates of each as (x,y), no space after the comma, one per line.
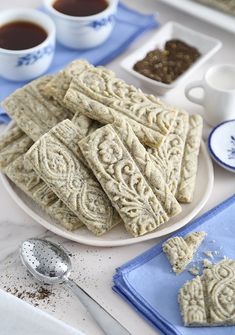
(13,145)
(55,158)
(168,157)
(29,182)
(148,168)
(190,160)
(192,303)
(219,286)
(57,87)
(227,6)
(209,300)
(180,250)
(34,113)
(98,94)
(84,124)
(122,181)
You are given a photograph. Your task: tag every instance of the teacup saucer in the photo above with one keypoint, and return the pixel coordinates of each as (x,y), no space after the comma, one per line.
(221,144)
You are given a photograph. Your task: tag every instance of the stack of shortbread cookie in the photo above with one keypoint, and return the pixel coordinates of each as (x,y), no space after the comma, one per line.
(92,150)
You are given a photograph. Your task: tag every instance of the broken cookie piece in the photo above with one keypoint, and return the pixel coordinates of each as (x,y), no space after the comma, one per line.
(180,250)
(192,303)
(209,300)
(207,264)
(208,254)
(194,270)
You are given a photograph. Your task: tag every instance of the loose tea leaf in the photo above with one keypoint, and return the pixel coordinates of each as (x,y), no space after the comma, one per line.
(168,64)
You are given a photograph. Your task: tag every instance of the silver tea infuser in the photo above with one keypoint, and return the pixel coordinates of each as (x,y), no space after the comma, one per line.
(50,264)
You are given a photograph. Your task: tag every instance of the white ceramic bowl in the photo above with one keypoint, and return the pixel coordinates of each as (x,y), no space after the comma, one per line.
(83,32)
(206,45)
(21,65)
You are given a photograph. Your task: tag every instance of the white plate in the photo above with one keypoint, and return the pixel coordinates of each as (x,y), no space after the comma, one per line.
(118,236)
(205,13)
(206,45)
(221,143)
(21,318)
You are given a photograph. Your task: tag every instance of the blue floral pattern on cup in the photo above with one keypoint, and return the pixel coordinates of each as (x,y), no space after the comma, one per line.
(232,150)
(32,58)
(101,23)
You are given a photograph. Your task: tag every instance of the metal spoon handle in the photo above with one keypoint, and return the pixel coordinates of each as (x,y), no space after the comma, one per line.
(107,323)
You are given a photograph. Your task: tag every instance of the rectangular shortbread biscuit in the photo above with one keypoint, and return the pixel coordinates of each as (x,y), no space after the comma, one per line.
(13,145)
(84,124)
(122,181)
(57,87)
(189,167)
(148,168)
(227,6)
(168,157)
(29,182)
(34,113)
(56,158)
(98,94)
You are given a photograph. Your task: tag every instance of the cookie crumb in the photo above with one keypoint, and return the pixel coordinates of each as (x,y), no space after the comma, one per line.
(207,264)
(194,270)
(208,253)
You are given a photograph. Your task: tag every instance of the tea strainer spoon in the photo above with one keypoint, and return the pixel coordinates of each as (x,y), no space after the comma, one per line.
(50,264)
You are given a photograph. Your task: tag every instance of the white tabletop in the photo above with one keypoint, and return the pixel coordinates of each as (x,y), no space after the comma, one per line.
(94,267)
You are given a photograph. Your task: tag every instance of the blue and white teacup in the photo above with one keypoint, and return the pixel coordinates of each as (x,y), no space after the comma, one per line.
(83,32)
(27,64)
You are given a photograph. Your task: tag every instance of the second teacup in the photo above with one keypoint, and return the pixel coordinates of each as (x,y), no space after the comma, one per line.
(83,32)
(218,98)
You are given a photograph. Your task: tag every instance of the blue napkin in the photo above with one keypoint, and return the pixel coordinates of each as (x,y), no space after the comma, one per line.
(129,25)
(149,285)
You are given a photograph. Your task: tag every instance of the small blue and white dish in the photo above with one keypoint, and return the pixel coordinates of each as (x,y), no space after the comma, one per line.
(221,144)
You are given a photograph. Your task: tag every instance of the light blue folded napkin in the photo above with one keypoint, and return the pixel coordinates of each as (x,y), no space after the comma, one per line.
(129,25)
(149,285)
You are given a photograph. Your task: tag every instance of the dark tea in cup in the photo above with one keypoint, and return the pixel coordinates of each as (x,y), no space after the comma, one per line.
(80,7)
(21,35)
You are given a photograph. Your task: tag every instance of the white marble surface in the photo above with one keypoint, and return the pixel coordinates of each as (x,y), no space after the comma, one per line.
(94,267)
